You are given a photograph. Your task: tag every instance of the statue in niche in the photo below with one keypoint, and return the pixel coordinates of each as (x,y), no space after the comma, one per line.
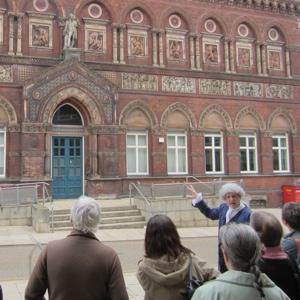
(40,36)
(70,31)
(274,60)
(244,57)
(211,53)
(137,45)
(95,41)
(175,49)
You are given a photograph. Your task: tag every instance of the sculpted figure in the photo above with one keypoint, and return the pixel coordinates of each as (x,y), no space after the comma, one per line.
(70,31)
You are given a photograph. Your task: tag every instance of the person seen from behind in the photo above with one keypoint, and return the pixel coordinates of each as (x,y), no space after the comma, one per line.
(164,271)
(243,280)
(233,210)
(290,215)
(275,263)
(79,266)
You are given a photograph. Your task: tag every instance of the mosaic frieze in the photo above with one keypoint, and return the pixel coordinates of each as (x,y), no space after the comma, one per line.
(39,94)
(178,84)
(215,87)
(139,81)
(248,89)
(279,91)
(5,73)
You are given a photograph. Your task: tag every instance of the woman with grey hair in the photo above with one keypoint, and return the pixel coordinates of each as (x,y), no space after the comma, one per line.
(241,250)
(233,210)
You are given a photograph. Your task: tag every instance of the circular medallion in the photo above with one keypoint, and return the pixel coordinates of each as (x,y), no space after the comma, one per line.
(136,16)
(273,34)
(72,75)
(95,11)
(210,25)
(243,30)
(37,95)
(105,98)
(174,21)
(40,5)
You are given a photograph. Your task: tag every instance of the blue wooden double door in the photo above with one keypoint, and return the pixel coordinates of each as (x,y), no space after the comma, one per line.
(67,167)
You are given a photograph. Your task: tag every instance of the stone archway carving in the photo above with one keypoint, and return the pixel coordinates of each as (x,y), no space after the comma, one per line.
(220,111)
(9,109)
(181,107)
(252,111)
(140,105)
(81,96)
(284,112)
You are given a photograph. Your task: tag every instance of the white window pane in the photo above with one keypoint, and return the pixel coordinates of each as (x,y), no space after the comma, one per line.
(142,141)
(131,161)
(181,160)
(142,158)
(171,141)
(181,141)
(131,140)
(171,160)
(2,138)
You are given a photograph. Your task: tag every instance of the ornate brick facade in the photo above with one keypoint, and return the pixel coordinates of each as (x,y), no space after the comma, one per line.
(184,71)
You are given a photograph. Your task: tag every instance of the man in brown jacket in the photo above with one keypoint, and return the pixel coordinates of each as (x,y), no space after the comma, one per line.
(78,267)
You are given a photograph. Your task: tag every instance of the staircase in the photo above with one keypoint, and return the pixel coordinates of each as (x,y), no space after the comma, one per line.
(115,217)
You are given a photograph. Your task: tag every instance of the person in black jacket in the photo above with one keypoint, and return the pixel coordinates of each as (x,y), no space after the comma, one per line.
(275,263)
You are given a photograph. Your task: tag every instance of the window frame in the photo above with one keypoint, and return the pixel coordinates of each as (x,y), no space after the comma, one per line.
(177,148)
(279,149)
(137,147)
(219,135)
(248,149)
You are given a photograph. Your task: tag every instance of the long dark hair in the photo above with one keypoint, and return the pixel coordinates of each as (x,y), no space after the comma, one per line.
(162,238)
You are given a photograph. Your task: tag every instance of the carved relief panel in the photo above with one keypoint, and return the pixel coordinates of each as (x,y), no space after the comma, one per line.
(244,54)
(274,57)
(211,50)
(138,40)
(40,30)
(95,35)
(175,44)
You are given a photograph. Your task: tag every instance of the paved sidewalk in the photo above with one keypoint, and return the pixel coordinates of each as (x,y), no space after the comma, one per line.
(26,235)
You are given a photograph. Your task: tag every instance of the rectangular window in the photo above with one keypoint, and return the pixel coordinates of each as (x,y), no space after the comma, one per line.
(177,153)
(2,151)
(248,153)
(214,153)
(280,153)
(137,153)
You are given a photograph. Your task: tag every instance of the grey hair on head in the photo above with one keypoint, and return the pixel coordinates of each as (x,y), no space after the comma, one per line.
(232,188)
(242,246)
(86,215)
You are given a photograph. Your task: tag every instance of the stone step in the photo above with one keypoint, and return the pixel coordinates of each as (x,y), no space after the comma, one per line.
(111,217)
(128,225)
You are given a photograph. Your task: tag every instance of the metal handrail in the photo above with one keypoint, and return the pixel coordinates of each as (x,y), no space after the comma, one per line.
(130,188)
(187,180)
(38,245)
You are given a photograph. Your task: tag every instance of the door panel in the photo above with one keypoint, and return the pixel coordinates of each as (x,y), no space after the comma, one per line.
(67,167)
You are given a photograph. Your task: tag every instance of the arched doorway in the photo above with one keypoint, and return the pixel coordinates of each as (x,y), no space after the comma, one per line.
(67,156)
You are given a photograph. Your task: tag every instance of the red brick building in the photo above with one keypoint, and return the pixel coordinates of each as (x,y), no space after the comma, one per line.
(150,91)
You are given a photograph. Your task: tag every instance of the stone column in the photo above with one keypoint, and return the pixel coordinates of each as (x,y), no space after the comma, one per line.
(115,43)
(161,53)
(258,60)
(47,169)
(227,70)
(11,17)
(192,51)
(19,36)
(154,46)
(121,28)
(287,61)
(93,152)
(264,60)
(198,64)
(232,66)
